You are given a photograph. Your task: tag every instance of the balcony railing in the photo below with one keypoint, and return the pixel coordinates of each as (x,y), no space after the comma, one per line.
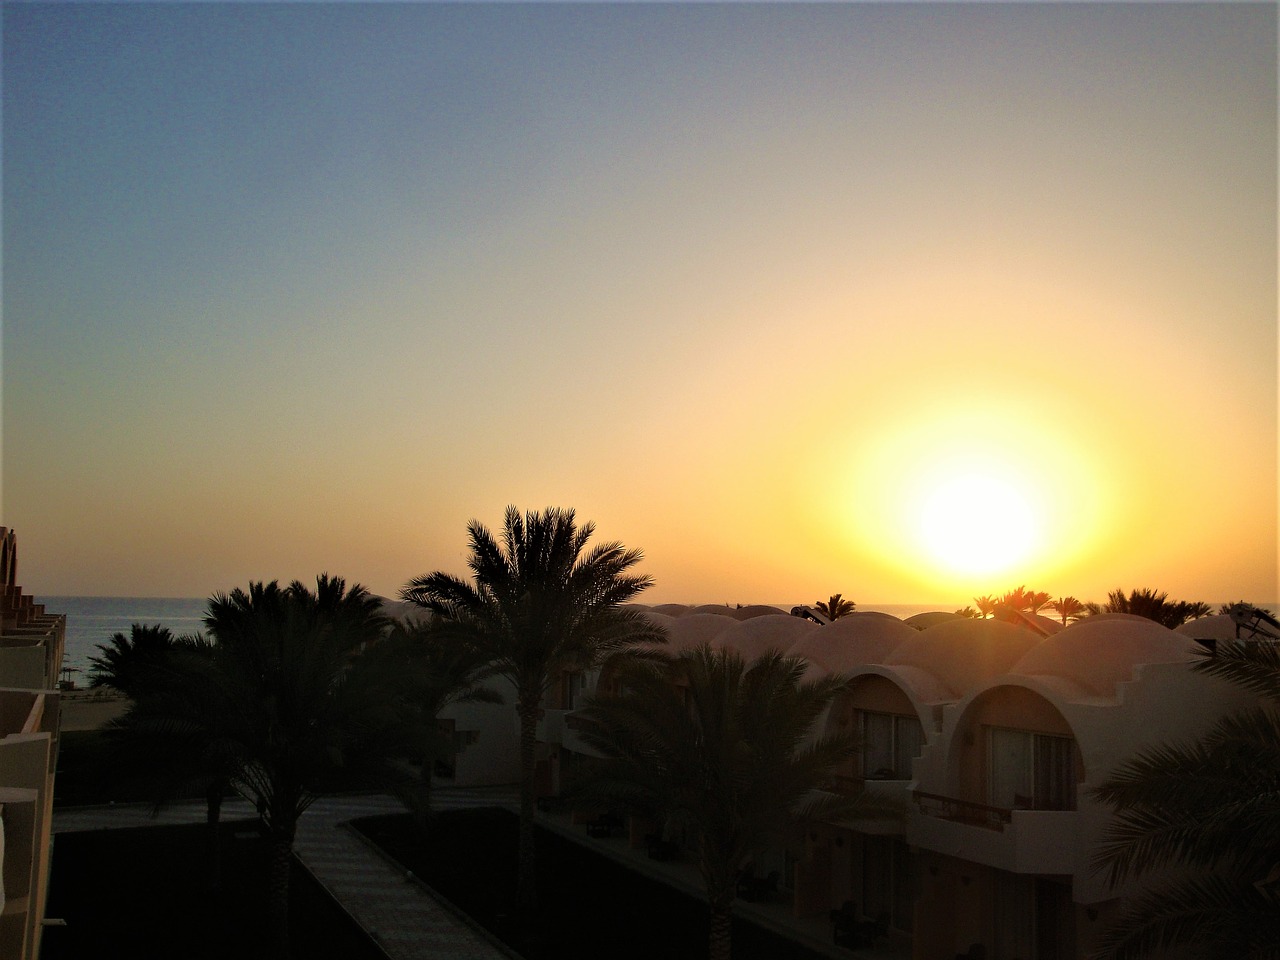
(962,811)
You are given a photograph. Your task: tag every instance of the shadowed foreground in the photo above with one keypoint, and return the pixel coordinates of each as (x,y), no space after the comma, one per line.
(589,906)
(141,894)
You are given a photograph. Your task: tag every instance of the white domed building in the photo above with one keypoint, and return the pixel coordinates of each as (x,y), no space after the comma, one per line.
(980,742)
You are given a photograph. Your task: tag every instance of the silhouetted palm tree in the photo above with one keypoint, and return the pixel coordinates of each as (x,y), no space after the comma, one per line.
(1202,819)
(123,662)
(539,603)
(285,694)
(1024,600)
(986,605)
(1154,606)
(722,752)
(157,744)
(836,607)
(1068,607)
(434,670)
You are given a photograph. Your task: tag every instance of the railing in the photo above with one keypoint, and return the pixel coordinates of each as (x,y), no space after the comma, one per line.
(962,811)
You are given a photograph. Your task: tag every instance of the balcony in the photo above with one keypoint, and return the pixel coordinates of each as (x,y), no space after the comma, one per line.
(1018,841)
(886,799)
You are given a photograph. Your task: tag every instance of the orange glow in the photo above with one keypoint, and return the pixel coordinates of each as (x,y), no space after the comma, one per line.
(970,498)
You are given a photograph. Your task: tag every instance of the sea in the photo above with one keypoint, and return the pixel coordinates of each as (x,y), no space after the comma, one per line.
(92,621)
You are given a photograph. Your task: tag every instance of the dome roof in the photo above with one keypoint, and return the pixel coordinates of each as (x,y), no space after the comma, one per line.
(671,609)
(1103,617)
(852,641)
(751,638)
(753,610)
(962,653)
(1219,627)
(923,621)
(721,608)
(1099,653)
(694,629)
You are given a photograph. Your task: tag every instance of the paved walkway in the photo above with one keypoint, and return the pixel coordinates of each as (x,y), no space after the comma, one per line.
(400,913)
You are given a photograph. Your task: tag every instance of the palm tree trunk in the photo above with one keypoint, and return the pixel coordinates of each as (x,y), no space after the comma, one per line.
(720,942)
(213,816)
(526,879)
(278,894)
(420,794)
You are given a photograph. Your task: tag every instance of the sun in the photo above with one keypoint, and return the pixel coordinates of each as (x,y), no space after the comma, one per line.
(977,522)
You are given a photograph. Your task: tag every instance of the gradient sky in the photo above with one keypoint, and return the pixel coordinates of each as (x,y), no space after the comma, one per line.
(304,287)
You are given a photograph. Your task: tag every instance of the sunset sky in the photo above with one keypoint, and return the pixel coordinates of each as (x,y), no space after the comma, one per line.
(912,302)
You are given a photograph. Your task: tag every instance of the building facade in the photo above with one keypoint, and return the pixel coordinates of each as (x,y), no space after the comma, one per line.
(984,738)
(31,647)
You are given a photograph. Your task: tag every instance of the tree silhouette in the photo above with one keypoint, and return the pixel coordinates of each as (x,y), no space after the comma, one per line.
(124,662)
(286,693)
(1154,606)
(836,607)
(538,603)
(1202,820)
(986,605)
(433,669)
(723,752)
(1068,607)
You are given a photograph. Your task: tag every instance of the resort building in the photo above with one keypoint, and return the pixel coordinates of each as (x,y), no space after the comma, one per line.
(984,738)
(31,645)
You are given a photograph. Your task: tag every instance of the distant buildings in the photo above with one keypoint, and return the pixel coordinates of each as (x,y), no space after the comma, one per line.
(985,736)
(31,643)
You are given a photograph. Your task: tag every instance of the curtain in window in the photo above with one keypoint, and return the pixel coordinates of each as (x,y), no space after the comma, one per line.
(877,746)
(1010,783)
(1055,773)
(908,743)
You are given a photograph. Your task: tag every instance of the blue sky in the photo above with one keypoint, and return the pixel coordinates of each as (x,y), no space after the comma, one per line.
(307,286)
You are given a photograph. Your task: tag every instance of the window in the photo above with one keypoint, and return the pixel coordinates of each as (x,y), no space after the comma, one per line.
(573,683)
(1034,919)
(889,743)
(1031,771)
(888,880)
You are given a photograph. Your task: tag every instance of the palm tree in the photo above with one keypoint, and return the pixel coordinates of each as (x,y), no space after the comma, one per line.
(163,742)
(1067,608)
(969,613)
(435,670)
(1206,815)
(722,751)
(285,694)
(836,607)
(538,604)
(1024,600)
(1154,606)
(986,605)
(123,662)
